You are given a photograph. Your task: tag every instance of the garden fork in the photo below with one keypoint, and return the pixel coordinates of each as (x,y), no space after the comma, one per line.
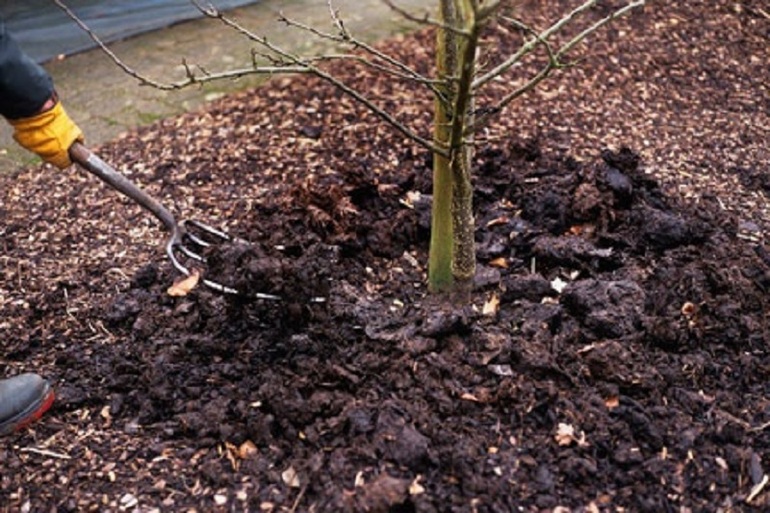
(183,235)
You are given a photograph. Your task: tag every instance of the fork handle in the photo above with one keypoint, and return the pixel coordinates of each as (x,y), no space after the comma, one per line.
(96,166)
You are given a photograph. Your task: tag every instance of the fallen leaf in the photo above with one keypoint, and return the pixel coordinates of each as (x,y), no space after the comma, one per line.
(558,285)
(501,262)
(498,221)
(290,477)
(689,309)
(757,489)
(565,434)
(612,402)
(246,450)
(184,285)
(231,453)
(492,305)
(584,230)
(411,198)
(416,488)
(501,369)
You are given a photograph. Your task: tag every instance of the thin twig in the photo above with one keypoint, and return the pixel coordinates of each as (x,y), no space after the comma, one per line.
(344,36)
(43,452)
(191,79)
(757,489)
(554,62)
(298,499)
(425,19)
(426,81)
(599,24)
(530,45)
(315,70)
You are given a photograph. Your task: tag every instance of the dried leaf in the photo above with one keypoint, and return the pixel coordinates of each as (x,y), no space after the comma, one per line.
(184,285)
(231,453)
(290,477)
(415,488)
(501,370)
(565,434)
(247,450)
(582,229)
(501,262)
(558,285)
(492,306)
(498,221)
(411,198)
(689,309)
(757,489)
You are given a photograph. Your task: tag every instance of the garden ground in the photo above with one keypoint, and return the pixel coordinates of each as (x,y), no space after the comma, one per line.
(614,356)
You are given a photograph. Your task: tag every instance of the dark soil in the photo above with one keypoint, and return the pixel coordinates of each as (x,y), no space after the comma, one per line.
(614,355)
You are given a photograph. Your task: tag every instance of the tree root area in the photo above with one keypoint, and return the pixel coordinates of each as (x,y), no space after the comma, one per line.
(613,354)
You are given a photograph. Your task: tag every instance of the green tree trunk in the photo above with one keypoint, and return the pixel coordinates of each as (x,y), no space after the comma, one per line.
(452,262)
(440,277)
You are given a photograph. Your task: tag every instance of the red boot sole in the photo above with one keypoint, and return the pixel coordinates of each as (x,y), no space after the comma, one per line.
(45,404)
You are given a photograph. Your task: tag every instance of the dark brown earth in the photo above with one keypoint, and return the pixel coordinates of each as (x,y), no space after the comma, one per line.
(614,356)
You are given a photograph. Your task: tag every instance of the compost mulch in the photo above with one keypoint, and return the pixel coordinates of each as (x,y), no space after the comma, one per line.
(613,355)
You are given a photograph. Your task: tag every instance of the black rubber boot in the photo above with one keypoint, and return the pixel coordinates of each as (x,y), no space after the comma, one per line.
(23,400)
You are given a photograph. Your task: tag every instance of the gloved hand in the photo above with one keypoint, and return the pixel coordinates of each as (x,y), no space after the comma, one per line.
(49,134)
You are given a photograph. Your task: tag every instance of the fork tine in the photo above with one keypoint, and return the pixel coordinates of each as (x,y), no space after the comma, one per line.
(197,240)
(209,230)
(171,246)
(191,254)
(177,243)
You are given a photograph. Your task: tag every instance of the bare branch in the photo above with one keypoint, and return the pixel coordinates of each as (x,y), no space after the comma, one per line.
(309,67)
(426,81)
(464,94)
(192,78)
(142,80)
(486,11)
(530,45)
(484,115)
(425,19)
(599,24)
(313,30)
(335,16)
(399,69)
(554,62)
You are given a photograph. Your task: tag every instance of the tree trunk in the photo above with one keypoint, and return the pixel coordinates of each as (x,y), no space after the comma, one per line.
(453,252)
(440,276)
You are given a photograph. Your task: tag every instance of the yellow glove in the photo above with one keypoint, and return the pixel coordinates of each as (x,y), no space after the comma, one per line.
(49,134)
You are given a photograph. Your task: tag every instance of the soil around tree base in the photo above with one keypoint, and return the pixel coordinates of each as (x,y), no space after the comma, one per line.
(613,355)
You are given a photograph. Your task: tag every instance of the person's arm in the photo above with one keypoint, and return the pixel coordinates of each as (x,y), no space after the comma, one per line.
(29,102)
(24,85)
